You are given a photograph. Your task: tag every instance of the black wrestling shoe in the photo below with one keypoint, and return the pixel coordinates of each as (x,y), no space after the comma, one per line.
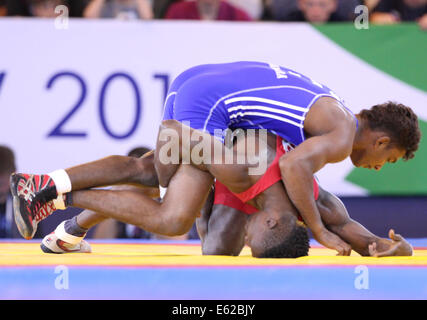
(32,201)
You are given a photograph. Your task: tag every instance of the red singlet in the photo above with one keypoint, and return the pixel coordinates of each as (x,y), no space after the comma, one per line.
(238,200)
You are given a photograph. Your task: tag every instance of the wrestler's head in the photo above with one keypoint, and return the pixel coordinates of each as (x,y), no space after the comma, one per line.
(276,235)
(387,133)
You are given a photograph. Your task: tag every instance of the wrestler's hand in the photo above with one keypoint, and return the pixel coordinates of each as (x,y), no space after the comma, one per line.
(398,247)
(332,241)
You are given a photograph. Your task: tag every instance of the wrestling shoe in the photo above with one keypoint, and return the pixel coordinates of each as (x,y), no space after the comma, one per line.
(61,241)
(52,244)
(32,201)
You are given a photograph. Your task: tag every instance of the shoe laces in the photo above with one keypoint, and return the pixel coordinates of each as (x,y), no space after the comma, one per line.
(27,188)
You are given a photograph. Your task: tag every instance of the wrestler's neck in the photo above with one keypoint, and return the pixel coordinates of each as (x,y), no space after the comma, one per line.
(360,137)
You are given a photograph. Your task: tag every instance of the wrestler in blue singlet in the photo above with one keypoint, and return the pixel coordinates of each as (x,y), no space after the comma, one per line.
(246,95)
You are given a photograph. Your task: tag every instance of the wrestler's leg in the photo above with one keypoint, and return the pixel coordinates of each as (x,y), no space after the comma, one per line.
(114,170)
(166,169)
(73,231)
(143,173)
(202,221)
(174,216)
(190,140)
(88,219)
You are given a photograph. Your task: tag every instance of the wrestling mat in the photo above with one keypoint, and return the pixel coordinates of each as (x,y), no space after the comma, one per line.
(177,270)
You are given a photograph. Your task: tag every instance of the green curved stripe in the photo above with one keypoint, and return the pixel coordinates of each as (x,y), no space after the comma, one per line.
(399,50)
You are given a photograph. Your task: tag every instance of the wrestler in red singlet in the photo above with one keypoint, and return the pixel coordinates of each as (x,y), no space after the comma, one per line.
(238,200)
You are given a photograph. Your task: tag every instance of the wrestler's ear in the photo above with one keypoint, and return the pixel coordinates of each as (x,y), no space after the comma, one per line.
(271,222)
(382,142)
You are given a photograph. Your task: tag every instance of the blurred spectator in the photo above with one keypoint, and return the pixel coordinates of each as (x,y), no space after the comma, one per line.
(282,9)
(394,11)
(114,229)
(316,11)
(43,8)
(254,8)
(346,9)
(8,227)
(3,9)
(160,7)
(371,4)
(266,13)
(206,10)
(120,9)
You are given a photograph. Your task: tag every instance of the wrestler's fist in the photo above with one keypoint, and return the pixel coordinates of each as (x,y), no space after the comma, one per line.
(332,241)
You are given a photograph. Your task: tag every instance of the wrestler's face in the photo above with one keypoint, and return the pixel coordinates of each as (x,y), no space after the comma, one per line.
(257,226)
(265,229)
(377,153)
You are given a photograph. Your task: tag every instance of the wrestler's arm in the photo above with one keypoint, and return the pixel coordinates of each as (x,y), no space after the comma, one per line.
(221,229)
(332,134)
(336,218)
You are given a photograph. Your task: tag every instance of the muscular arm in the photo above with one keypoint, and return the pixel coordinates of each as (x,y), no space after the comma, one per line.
(221,229)
(336,218)
(332,133)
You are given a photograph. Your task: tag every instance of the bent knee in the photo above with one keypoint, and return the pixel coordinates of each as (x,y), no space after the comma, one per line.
(178,226)
(209,248)
(170,124)
(164,173)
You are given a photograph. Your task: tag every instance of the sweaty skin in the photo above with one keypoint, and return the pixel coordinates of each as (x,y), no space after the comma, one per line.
(176,214)
(224,230)
(331,131)
(332,136)
(222,223)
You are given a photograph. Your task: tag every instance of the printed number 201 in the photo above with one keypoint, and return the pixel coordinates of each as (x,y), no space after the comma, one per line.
(59,131)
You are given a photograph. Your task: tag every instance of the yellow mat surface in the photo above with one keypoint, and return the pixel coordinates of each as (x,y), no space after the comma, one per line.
(105,254)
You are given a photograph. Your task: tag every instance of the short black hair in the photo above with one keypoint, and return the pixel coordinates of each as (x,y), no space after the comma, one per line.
(296,244)
(397,120)
(7,160)
(138,152)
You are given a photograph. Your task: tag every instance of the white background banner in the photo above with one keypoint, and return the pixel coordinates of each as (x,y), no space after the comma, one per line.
(74,95)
